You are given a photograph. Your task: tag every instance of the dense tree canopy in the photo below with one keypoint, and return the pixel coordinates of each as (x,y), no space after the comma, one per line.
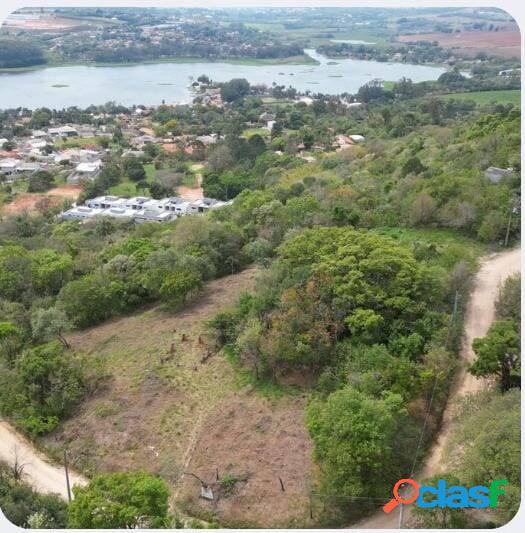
(121,501)
(18,53)
(352,434)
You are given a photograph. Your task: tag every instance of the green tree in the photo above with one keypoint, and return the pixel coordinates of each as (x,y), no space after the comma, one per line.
(352,435)
(179,286)
(25,507)
(485,445)
(234,89)
(50,270)
(121,501)
(256,146)
(92,299)
(10,340)
(498,354)
(42,387)
(412,165)
(134,169)
(15,272)
(41,118)
(48,324)
(40,181)
(508,306)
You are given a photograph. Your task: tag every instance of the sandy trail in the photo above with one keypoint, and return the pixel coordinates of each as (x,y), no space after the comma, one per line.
(193,193)
(479,315)
(41,474)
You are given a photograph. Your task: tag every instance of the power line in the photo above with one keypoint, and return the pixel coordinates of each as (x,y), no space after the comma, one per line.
(429,409)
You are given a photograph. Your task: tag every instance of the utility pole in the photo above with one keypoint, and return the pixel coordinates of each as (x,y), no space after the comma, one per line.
(453,317)
(67,476)
(513,209)
(508,227)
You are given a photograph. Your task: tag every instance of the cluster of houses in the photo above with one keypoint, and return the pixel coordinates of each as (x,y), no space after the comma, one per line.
(140,208)
(42,150)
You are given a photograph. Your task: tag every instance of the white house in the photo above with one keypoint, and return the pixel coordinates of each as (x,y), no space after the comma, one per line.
(81,212)
(105,202)
(8,166)
(63,132)
(153,215)
(85,171)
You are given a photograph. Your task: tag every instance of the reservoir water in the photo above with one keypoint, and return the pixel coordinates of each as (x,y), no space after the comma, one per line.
(150,84)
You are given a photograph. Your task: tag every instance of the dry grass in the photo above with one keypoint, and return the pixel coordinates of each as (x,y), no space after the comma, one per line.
(188,414)
(27,202)
(502,43)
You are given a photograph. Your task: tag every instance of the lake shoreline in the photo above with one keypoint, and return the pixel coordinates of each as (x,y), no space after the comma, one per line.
(293,60)
(153,83)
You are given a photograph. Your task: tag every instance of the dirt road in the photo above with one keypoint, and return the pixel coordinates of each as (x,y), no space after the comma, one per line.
(480,313)
(196,192)
(41,474)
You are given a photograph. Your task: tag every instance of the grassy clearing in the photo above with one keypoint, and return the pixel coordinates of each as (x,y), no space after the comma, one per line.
(488,97)
(250,132)
(450,245)
(129,188)
(150,171)
(77,142)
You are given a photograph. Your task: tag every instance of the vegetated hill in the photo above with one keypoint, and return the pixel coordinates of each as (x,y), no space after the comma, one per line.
(326,318)
(16,53)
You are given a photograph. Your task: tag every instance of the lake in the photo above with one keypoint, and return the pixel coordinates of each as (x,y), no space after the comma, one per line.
(149,84)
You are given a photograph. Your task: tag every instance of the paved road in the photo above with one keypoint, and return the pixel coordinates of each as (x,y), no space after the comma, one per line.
(38,471)
(480,313)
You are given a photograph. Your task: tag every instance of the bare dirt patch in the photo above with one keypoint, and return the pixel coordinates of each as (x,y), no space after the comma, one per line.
(28,201)
(190,193)
(503,43)
(193,193)
(256,441)
(41,23)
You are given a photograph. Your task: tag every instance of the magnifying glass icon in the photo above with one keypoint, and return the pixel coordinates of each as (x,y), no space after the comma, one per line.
(393,503)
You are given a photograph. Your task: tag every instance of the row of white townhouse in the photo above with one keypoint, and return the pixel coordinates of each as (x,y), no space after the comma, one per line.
(140,208)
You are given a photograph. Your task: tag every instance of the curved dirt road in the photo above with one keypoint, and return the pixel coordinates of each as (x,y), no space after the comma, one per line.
(480,312)
(41,474)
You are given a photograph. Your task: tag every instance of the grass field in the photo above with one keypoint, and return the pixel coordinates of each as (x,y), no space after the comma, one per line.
(250,132)
(317,36)
(488,97)
(77,142)
(129,188)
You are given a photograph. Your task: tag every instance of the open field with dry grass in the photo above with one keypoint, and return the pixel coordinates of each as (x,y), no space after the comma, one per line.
(30,201)
(189,414)
(40,23)
(502,43)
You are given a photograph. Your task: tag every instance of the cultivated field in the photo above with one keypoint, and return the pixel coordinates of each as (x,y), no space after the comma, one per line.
(502,43)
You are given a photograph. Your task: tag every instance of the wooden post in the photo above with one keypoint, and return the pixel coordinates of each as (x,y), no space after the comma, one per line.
(282,484)
(507,234)
(67,476)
